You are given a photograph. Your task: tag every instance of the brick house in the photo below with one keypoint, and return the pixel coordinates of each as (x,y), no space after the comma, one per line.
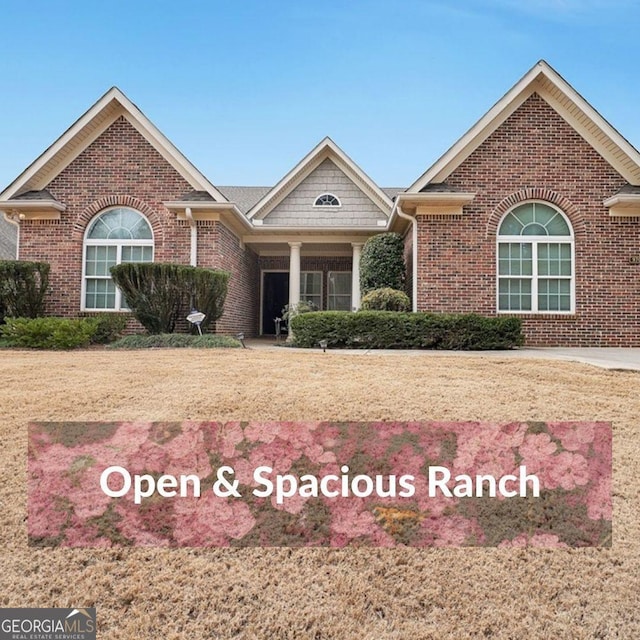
(535,211)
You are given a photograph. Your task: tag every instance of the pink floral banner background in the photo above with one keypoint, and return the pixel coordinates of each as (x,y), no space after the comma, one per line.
(67,506)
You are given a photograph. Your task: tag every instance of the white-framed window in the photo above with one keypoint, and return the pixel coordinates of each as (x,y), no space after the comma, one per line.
(311,287)
(339,294)
(535,260)
(116,235)
(327,200)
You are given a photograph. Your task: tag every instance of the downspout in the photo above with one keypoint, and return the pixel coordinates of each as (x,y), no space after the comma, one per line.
(414,257)
(194,236)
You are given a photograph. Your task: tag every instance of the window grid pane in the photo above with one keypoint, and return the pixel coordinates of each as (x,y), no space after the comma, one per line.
(311,288)
(339,298)
(554,294)
(100,294)
(554,259)
(100,259)
(514,294)
(515,259)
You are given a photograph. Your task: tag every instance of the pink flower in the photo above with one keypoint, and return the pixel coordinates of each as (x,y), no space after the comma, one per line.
(567,470)
(349,519)
(261,431)
(231,434)
(536,451)
(573,435)
(452,531)
(599,500)
(210,521)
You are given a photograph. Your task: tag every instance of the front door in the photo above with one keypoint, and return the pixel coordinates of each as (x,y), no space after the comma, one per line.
(275,295)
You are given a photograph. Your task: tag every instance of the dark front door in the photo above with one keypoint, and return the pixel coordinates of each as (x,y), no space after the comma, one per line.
(275,295)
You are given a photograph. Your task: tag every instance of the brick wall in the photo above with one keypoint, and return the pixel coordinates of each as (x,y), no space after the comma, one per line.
(535,154)
(242,308)
(121,168)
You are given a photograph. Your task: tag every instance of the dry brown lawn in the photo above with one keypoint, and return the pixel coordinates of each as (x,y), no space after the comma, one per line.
(376,594)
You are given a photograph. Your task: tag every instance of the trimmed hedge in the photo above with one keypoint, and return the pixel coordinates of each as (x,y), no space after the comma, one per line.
(48,333)
(386,299)
(23,286)
(174,341)
(393,330)
(382,263)
(158,294)
(109,327)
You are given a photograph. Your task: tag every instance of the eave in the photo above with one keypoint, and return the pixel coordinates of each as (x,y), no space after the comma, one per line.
(623,205)
(225,212)
(32,209)
(437,203)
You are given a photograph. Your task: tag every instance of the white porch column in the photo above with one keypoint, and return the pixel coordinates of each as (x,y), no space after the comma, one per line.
(294,274)
(355,276)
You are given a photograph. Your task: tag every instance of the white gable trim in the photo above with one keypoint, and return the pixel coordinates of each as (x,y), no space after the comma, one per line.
(566,101)
(86,129)
(327,149)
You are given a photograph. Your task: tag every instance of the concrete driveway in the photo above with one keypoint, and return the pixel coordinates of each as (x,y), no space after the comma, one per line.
(625,358)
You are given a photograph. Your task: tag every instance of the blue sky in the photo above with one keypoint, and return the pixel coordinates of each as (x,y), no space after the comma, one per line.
(246,89)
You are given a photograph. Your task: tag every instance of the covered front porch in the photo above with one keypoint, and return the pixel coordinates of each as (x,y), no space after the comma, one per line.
(324,272)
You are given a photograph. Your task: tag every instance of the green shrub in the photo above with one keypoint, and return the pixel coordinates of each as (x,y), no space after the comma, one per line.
(23,286)
(304,306)
(48,333)
(393,330)
(109,327)
(174,341)
(382,263)
(158,294)
(386,299)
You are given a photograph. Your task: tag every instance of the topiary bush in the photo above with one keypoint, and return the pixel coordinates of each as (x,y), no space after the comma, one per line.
(393,330)
(382,263)
(385,299)
(48,333)
(23,286)
(158,294)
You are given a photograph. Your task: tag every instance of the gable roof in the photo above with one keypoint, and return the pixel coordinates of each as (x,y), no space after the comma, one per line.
(566,101)
(326,149)
(86,129)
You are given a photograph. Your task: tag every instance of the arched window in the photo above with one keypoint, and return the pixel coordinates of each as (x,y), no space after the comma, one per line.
(116,235)
(327,200)
(535,260)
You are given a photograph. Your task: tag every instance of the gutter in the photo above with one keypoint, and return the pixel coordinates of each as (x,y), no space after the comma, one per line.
(414,280)
(194,236)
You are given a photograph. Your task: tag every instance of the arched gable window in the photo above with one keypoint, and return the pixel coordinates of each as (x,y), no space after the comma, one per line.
(327,200)
(116,235)
(535,262)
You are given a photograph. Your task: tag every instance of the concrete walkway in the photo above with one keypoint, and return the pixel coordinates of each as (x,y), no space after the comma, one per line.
(604,357)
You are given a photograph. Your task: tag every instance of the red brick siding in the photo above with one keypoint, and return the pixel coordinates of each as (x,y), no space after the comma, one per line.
(535,154)
(242,307)
(310,263)
(119,168)
(408,262)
